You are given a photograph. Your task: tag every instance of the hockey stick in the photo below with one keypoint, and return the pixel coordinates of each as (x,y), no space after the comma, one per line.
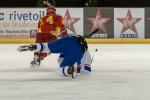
(96,50)
(92,33)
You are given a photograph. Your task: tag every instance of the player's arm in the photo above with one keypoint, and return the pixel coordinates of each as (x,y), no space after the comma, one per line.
(40,24)
(60,26)
(86,63)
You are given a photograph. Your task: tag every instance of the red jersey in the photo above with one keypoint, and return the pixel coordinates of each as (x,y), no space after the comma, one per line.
(53,24)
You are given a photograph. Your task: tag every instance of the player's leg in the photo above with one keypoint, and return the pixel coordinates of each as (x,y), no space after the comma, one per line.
(51,47)
(47,38)
(85,66)
(68,69)
(60,58)
(68,64)
(38,56)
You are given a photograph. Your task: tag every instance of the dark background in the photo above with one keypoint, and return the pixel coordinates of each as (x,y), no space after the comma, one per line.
(77,3)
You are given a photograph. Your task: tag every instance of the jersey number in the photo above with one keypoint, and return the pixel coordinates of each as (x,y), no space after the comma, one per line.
(50,20)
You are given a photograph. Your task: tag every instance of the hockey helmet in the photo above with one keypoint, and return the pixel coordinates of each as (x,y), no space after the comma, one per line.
(51,10)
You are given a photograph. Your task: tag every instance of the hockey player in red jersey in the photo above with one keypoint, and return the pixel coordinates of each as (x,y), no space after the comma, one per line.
(50,27)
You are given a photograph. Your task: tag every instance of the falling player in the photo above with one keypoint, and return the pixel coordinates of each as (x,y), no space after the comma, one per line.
(49,28)
(73,50)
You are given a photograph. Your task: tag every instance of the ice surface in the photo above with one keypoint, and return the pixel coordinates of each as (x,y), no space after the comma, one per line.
(120,72)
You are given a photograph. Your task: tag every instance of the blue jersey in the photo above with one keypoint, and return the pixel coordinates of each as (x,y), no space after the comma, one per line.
(70,47)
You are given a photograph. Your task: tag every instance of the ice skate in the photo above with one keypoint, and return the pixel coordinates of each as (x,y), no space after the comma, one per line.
(36,62)
(30,47)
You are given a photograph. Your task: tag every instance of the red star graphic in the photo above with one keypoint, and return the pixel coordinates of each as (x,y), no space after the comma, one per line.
(129,22)
(98,22)
(69,21)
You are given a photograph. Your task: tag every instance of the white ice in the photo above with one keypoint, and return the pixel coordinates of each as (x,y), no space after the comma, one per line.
(120,72)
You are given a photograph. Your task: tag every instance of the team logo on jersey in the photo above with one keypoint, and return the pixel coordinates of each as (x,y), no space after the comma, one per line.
(99,23)
(70,21)
(129,23)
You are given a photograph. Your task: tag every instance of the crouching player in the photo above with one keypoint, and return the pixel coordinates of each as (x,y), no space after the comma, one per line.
(73,50)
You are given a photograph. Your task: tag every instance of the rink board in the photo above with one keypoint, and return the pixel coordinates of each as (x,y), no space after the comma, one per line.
(89,40)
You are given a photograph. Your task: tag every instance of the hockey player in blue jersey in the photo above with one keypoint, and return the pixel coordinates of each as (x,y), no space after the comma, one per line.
(73,50)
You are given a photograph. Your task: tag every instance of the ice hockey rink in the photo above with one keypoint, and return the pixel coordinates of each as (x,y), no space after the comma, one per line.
(119,72)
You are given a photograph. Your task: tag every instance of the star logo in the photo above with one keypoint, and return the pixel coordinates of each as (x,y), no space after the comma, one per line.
(129,22)
(69,21)
(98,22)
